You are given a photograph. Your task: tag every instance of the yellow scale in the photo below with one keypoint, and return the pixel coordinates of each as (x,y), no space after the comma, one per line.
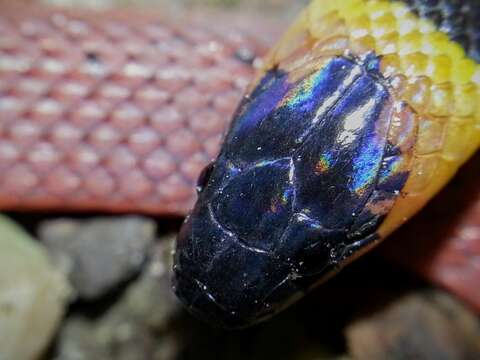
(428,72)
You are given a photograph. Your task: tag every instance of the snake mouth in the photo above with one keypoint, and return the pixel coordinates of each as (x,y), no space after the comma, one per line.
(198,300)
(246,311)
(222,281)
(202,304)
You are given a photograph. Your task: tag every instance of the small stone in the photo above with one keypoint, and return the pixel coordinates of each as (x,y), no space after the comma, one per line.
(33,295)
(150,299)
(137,326)
(102,252)
(422,325)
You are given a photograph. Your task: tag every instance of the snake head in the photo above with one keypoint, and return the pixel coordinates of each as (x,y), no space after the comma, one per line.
(240,252)
(305,176)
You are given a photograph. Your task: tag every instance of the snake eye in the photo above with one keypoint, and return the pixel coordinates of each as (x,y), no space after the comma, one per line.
(204,177)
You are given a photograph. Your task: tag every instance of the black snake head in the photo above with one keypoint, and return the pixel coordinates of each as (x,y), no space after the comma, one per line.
(242,256)
(303,180)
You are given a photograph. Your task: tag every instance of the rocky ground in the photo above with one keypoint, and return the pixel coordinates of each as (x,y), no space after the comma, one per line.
(86,288)
(81,287)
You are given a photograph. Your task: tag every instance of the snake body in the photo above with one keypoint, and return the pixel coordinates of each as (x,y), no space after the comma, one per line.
(361,114)
(113,112)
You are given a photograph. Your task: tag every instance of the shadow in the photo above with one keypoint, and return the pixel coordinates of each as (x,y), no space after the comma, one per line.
(417,244)
(313,327)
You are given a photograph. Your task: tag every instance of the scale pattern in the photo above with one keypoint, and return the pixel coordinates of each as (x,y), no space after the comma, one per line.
(431,73)
(306,173)
(267,228)
(109,112)
(458,19)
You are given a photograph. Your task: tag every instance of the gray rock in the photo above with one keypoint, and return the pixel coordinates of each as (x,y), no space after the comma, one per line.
(420,325)
(33,295)
(83,339)
(137,326)
(150,300)
(101,253)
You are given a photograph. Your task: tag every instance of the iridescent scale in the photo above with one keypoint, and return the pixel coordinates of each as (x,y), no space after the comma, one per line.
(426,69)
(363,111)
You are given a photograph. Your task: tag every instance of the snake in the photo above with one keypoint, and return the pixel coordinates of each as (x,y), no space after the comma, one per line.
(362,113)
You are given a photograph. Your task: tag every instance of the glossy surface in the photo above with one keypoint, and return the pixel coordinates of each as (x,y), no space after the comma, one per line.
(305,176)
(426,69)
(321,161)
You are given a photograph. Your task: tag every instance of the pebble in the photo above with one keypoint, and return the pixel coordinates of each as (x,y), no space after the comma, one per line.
(137,326)
(100,253)
(33,295)
(427,324)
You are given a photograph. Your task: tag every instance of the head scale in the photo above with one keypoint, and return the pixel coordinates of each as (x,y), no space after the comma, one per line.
(305,177)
